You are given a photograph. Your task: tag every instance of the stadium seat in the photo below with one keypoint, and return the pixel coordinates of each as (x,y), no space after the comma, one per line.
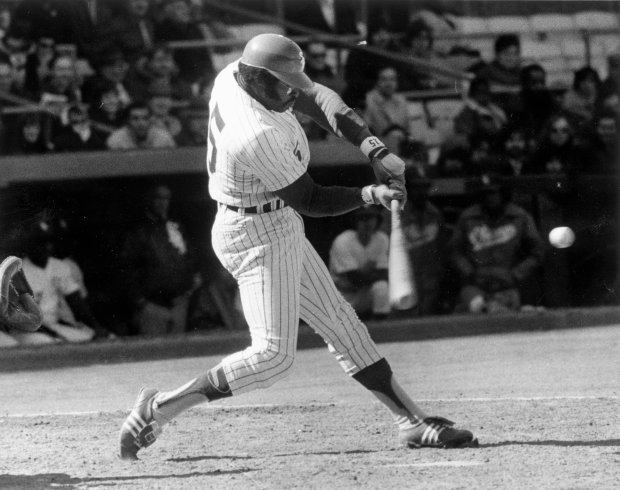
(503,24)
(442,114)
(594,20)
(573,46)
(470,25)
(540,51)
(552,22)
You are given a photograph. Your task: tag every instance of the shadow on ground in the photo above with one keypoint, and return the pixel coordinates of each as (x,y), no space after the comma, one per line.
(604,443)
(193,459)
(63,481)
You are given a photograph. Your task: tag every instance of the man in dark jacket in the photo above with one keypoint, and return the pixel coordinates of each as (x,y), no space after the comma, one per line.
(159,269)
(495,248)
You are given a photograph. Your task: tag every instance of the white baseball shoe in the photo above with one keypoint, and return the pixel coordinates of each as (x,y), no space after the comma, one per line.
(139,429)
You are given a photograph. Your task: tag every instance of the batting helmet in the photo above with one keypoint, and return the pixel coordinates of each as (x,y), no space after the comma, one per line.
(278,55)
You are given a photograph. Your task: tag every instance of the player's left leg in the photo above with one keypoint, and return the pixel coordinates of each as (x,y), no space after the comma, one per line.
(326,311)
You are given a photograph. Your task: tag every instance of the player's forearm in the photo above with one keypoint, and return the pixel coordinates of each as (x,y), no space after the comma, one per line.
(331,201)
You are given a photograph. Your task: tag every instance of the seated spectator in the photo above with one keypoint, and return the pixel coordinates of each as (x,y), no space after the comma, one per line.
(38,64)
(512,155)
(51,282)
(425,236)
(386,111)
(159,65)
(361,67)
(602,147)
(534,105)
(495,248)
(358,261)
(580,101)
(138,131)
(160,271)
(14,47)
(418,42)
(504,72)
(558,152)
(106,107)
(195,65)
(160,104)
(132,32)
(317,68)
(30,139)
(61,87)
(78,135)
(195,123)
(479,114)
(110,67)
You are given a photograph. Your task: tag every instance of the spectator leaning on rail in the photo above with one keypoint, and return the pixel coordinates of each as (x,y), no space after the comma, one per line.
(358,262)
(386,111)
(159,268)
(495,248)
(139,132)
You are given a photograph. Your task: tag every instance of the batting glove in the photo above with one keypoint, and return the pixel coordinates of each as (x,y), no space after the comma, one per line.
(382,194)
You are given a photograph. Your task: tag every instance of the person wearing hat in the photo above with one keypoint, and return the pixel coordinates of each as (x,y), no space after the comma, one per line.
(358,262)
(495,248)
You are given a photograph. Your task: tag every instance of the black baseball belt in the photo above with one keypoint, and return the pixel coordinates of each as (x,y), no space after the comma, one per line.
(264,208)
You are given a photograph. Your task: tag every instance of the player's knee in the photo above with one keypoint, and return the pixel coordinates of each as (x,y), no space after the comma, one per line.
(278,367)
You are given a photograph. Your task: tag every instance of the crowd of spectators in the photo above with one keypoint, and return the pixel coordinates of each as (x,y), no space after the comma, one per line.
(116,84)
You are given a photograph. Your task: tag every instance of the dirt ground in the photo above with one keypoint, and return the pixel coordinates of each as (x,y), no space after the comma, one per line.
(544,406)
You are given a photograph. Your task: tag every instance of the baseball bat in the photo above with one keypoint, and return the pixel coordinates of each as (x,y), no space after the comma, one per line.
(403,293)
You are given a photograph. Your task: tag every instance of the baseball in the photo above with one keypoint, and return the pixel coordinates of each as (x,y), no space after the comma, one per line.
(561,237)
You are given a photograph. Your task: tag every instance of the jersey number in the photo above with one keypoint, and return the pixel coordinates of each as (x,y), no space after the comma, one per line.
(216,126)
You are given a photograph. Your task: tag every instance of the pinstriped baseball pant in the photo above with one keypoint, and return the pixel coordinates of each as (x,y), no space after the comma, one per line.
(282,279)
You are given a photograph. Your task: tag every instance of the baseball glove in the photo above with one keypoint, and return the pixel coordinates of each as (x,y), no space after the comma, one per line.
(18,310)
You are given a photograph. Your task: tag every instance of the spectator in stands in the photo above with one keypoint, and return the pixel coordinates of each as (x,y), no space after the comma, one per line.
(195,65)
(195,121)
(361,67)
(106,107)
(62,85)
(14,47)
(111,67)
(558,152)
(5,20)
(479,114)
(512,156)
(38,64)
(138,131)
(78,135)
(132,32)
(495,248)
(386,111)
(580,101)
(504,72)
(51,282)
(160,104)
(160,271)
(30,139)
(358,261)
(317,68)
(159,65)
(418,42)
(425,236)
(63,21)
(8,83)
(601,149)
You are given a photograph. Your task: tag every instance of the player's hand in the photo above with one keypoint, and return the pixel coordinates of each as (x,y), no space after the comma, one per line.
(388,168)
(399,186)
(384,195)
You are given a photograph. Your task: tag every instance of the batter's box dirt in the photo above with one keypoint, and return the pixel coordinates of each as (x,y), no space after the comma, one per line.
(555,443)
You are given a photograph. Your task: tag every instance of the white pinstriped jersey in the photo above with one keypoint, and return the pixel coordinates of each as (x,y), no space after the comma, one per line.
(251,151)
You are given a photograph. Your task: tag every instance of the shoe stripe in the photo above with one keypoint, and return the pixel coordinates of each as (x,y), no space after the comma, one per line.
(130,428)
(134,423)
(426,435)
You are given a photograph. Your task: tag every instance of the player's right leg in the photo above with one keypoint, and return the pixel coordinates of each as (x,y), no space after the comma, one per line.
(268,274)
(326,311)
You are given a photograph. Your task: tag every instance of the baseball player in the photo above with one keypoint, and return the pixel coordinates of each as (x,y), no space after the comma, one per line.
(257,159)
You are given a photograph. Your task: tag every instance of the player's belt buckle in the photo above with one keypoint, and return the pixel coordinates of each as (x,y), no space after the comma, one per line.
(265,208)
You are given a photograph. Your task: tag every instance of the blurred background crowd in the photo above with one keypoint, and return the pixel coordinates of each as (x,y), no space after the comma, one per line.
(505,113)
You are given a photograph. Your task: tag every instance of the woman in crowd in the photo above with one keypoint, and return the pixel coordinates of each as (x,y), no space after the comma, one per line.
(580,101)
(558,153)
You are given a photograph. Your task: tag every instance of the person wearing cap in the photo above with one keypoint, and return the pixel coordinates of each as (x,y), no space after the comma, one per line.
(495,248)
(358,262)
(257,161)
